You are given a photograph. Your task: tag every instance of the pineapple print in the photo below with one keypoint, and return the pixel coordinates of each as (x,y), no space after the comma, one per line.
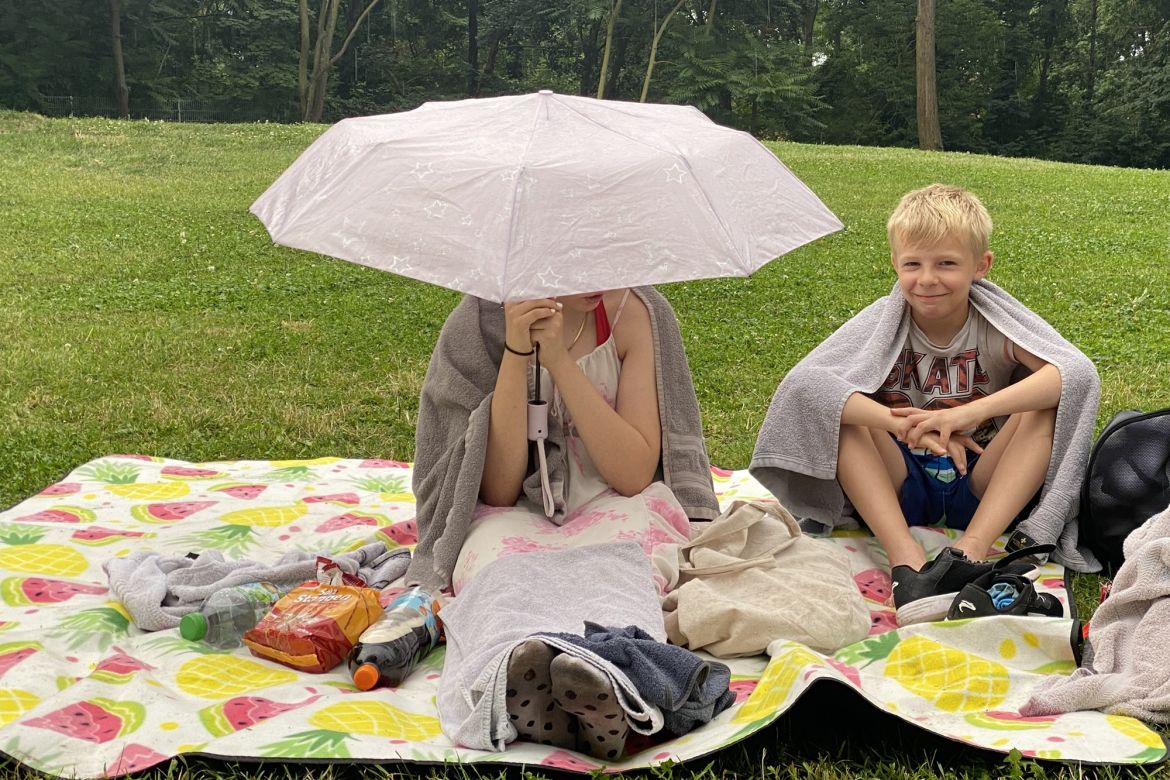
(388,488)
(99,627)
(1155,748)
(122,480)
(232,539)
(954,680)
(777,683)
(376,719)
(266,517)
(221,676)
(14,703)
(24,555)
(308,744)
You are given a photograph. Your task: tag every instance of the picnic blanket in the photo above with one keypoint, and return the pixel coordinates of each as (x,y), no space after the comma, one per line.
(85,693)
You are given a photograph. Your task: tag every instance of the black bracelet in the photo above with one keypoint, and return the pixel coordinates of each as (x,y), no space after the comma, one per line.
(518,352)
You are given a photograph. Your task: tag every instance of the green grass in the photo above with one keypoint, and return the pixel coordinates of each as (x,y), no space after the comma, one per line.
(144,310)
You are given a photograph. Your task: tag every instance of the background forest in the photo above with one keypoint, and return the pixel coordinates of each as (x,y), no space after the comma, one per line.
(1075,80)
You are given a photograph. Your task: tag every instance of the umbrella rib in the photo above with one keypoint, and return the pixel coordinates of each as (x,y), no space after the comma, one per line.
(744,263)
(515,195)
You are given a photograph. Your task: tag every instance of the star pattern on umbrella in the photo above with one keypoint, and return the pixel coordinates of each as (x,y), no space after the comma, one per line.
(437,209)
(422,170)
(675,173)
(549,278)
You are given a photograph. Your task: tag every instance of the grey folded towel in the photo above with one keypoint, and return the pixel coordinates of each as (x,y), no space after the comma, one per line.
(157,590)
(453,415)
(796,451)
(1126,668)
(514,597)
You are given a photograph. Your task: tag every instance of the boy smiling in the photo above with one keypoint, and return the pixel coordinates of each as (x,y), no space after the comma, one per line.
(941,417)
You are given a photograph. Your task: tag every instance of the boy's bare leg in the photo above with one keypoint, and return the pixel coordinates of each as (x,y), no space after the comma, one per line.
(871,471)
(1006,476)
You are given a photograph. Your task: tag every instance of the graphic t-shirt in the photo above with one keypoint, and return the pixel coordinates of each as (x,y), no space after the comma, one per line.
(977,362)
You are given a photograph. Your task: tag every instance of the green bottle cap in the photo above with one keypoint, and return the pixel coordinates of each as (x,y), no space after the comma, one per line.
(193,626)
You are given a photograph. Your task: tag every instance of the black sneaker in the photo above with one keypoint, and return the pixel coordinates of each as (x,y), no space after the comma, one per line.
(1000,593)
(926,595)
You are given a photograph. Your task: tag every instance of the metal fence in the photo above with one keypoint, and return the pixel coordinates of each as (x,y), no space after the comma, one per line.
(170,111)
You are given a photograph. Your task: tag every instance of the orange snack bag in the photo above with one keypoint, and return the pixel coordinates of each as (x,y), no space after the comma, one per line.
(314,626)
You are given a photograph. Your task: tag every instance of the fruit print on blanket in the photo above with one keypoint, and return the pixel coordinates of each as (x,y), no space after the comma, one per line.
(85,693)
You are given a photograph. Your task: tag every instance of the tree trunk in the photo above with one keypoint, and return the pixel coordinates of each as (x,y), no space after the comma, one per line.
(654,48)
(615,9)
(1092,52)
(472,48)
(808,24)
(303,62)
(589,52)
(709,25)
(617,62)
(929,134)
(120,88)
(322,59)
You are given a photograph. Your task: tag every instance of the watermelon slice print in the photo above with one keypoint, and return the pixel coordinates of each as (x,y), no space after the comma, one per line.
(244,712)
(59,514)
(96,720)
(23,591)
(61,489)
(170,512)
(95,535)
(188,472)
(402,533)
(379,463)
(244,490)
(13,653)
(134,758)
(118,668)
(349,520)
(348,499)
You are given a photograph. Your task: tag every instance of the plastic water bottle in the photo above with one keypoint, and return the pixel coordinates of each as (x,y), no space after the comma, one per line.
(389,649)
(229,612)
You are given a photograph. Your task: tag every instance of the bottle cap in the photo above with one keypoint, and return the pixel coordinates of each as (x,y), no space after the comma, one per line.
(193,626)
(365,676)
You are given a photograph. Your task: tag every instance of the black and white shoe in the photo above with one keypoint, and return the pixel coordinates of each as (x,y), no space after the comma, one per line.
(925,595)
(1000,593)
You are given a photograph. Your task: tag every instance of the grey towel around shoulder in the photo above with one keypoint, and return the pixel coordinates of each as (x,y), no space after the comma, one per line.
(455,408)
(796,452)
(1126,668)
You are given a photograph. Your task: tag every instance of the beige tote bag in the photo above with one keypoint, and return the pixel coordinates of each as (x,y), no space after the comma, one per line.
(752,577)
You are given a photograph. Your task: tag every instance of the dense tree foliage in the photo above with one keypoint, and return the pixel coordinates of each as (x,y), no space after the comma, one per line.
(1084,80)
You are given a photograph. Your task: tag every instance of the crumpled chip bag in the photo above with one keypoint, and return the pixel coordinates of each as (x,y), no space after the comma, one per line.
(314,626)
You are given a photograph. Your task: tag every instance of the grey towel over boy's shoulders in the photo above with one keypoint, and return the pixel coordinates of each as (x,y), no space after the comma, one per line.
(796,451)
(452,431)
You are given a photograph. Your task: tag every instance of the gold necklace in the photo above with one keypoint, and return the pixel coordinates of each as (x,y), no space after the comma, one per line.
(580,330)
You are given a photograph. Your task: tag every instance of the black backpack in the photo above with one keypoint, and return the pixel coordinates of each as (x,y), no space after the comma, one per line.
(1128,481)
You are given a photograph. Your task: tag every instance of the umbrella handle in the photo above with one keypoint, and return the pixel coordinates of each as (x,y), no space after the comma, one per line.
(536,389)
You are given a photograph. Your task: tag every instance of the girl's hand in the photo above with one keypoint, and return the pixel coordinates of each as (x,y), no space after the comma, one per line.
(520,317)
(547,333)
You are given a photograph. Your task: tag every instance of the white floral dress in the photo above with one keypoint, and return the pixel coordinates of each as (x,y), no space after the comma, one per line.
(594,512)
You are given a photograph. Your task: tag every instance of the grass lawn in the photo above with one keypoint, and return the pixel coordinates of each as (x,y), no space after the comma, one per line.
(143,310)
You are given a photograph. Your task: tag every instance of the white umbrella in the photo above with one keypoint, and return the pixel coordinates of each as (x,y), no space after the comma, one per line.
(529,196)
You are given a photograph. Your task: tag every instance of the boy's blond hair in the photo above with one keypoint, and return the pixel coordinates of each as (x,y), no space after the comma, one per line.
(931,214)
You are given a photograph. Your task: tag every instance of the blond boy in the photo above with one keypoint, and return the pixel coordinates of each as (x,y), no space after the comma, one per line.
(940,434)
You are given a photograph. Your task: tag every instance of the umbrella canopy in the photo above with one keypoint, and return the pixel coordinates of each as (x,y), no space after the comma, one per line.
(522,197)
